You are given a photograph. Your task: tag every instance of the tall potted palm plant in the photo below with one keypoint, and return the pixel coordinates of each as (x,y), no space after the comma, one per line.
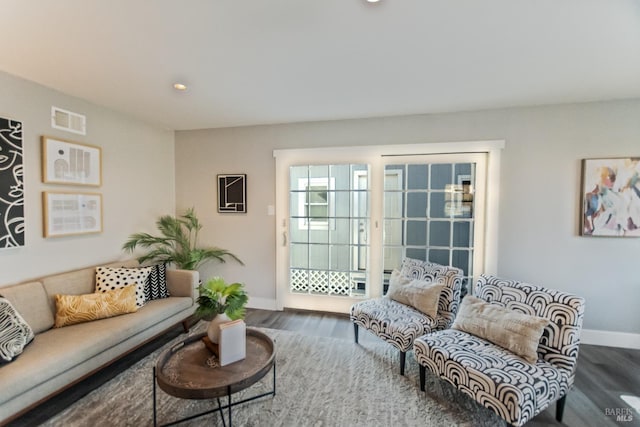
(177,244)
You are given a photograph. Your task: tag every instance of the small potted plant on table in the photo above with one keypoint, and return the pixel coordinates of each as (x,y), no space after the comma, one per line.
(220,302)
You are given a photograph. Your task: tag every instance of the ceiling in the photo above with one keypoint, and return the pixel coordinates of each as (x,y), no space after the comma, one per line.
(250,62)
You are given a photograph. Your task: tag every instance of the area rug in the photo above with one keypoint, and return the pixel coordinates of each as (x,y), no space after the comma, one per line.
(320,382)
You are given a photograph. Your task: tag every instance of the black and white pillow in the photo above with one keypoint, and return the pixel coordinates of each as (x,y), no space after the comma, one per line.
(108,279)
(156,285)
(15,333)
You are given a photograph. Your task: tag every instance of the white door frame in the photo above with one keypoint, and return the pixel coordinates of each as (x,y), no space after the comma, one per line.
(373,155)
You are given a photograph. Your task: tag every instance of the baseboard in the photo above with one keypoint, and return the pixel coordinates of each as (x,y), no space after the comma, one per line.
(262,303)
(610,338)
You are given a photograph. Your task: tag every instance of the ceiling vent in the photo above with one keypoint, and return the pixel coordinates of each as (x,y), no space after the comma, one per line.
(66,120)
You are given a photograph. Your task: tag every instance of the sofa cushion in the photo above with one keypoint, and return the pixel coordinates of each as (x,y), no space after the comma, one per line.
(86,339)
(32,302)
(75,282)
(517,332)
(183,283)
(72,309)
(108,278)
(15,333)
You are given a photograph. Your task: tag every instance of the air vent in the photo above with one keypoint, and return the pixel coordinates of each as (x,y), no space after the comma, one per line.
(66,120)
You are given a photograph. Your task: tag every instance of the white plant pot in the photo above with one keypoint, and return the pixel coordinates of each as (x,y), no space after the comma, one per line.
(213,331)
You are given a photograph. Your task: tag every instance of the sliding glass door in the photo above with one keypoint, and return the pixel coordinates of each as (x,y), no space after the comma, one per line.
(349,224)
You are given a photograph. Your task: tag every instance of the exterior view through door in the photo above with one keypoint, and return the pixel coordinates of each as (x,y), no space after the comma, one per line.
(328,227)
(348,225)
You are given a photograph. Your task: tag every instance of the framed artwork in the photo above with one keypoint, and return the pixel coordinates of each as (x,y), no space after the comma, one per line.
(611,197)
(11,184)
(71,213)
(232,193)
(68,162)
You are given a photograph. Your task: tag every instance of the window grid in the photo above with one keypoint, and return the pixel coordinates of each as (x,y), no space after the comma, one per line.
(318,271)
(456,213)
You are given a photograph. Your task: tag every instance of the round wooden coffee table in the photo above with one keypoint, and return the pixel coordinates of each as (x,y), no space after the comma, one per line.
(186,371)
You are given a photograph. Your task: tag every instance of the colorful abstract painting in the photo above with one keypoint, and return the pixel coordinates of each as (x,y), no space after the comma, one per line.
(611,197)
(11,184)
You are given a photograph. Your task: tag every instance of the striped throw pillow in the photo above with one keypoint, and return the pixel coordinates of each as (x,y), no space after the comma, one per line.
(15,333)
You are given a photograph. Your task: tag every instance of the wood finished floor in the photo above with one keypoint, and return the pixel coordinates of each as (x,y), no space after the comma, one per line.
(603,375)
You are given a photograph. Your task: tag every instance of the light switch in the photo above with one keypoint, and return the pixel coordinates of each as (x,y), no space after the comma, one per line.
(271,210)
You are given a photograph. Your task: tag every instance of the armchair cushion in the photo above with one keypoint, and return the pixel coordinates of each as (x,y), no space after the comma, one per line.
(400,324)
(424,296)
(420,294)
(496,378)
(560,340)
(514,331)
(450,296)
(514,388)
(396,285)
(395,323)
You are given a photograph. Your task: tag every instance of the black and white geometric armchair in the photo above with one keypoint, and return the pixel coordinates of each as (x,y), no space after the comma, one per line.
(516,389)
(399,324)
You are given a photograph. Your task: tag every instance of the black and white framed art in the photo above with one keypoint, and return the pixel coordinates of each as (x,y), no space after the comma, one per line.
(11,184)
(232,193)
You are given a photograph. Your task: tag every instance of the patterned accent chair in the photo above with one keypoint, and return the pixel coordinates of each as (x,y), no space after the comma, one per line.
(399,324)
(496,378)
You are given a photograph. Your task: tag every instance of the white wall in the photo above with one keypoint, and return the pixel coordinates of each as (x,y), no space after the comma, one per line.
(539,203)
(539,194)
(138,181)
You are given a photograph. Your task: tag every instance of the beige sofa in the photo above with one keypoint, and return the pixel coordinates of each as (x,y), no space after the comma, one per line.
(60,357)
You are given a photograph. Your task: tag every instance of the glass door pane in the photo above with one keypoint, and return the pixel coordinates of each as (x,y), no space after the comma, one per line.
(328,229)
(429,214)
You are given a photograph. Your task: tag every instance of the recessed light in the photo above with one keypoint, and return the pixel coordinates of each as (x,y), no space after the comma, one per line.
(373,1)
(179,86)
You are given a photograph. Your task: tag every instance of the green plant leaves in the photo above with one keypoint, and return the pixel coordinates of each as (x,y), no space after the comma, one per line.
(217,297)
(177,243)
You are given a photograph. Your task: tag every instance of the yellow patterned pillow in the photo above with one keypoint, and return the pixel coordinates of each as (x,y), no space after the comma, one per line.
(72,309)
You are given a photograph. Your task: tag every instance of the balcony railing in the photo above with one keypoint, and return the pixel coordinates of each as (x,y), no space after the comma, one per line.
(323,282)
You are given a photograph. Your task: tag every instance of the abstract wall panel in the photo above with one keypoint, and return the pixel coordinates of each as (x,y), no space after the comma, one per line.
(11,184)
(232,193)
